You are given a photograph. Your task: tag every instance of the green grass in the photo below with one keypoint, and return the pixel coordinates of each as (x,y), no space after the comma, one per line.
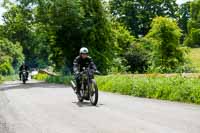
(40,76)
(1,79)
(59,79)
(10,77)
(195,58)
(53,79)
(172,88)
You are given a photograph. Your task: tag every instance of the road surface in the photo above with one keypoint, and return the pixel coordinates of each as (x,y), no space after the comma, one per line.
(50,108)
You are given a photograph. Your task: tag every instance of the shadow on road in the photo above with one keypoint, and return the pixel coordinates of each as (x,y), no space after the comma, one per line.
(86,104)
(28,85)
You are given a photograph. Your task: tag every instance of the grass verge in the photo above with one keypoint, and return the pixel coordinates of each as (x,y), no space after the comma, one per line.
(165,88)
(10,78)
(53,79)
(172,88)
(195,58)
(1,79)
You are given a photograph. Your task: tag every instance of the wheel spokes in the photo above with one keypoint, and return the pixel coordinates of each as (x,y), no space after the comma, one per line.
(92,96)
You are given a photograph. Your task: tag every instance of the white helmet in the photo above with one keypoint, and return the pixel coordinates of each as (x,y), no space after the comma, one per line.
(83,50)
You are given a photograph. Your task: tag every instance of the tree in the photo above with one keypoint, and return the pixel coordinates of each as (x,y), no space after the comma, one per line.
(62,27)
(122,41)
(137,56)
(81,23)
(193,37)
(20,26)
(97,33)
(123,37)
(167,54)
(183,18)
(10,56)
(138,14)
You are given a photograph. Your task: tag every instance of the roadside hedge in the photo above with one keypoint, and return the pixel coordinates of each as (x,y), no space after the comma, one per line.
(165,88)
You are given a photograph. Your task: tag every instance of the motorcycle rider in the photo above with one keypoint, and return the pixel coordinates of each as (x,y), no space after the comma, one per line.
(81,61)
(23,67)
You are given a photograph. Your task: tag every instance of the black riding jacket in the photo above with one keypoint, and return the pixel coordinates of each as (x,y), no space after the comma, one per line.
(23,67)
(79,63)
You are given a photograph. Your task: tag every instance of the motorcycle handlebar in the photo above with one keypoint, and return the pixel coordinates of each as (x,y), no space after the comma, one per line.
(95,72)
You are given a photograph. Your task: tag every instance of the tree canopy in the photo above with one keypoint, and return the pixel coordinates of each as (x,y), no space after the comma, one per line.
(121,35)
(138,14)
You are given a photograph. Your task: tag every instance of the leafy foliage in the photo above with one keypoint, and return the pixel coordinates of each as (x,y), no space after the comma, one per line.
(1,79)
(183,18)
(52,32)
(10,56)
(138,56)
(20,27)
(62,28)
(40,76)
(59,79)
(122,41)
(167,52)
(138,14)
(53,79)
(193,38)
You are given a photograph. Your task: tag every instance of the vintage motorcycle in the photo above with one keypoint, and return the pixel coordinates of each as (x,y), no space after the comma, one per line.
(24,76)
(88,89)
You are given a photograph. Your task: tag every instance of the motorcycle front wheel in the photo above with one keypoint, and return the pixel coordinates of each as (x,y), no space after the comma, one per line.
(24,80)
(93,92)
(80,96)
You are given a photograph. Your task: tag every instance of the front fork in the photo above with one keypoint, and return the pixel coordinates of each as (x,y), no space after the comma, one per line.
(73,85)
(83,88)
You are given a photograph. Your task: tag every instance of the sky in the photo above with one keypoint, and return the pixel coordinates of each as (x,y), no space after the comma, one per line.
(181,1)
(2,10)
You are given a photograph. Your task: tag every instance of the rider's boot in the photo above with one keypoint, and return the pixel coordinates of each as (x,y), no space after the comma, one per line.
(78,86)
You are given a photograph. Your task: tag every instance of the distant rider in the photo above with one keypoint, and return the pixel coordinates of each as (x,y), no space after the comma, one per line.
(23,67)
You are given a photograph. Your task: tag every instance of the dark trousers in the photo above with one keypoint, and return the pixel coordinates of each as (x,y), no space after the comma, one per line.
(78,82)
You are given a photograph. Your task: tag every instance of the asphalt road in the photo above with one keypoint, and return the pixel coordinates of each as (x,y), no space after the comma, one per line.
(50,108)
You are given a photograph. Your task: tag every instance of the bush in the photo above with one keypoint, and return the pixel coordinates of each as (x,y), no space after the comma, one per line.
(167,53)
(6,69)
(119,65)
(11,56)
(172,88)
(53,79)
(11,77)
(59,79)
(193,37)
(138,56)
(122,39)
(1,79)
(40,76)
